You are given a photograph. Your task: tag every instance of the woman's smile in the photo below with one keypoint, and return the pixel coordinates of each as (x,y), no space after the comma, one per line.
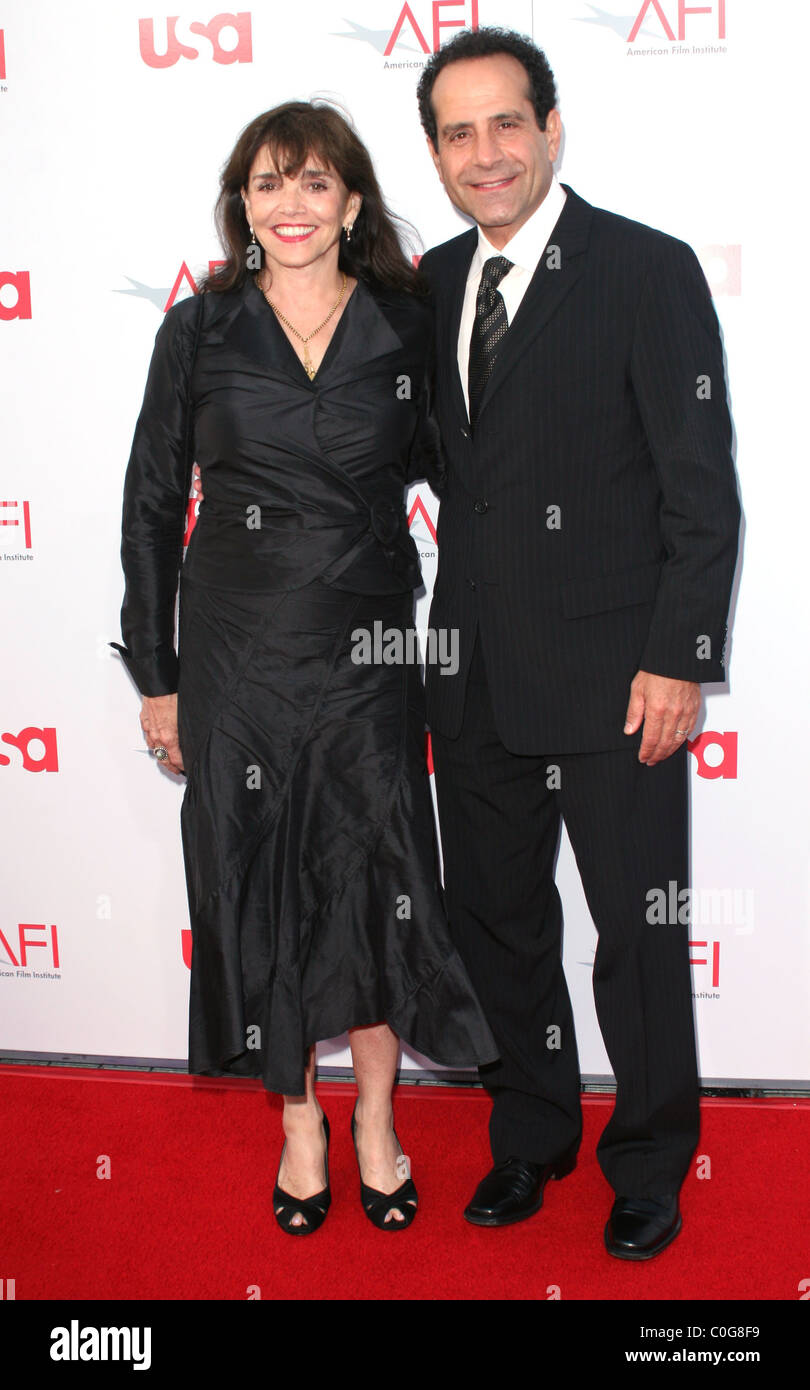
(293,232)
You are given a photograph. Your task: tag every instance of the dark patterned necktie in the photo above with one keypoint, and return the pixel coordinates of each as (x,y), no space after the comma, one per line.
(489,327)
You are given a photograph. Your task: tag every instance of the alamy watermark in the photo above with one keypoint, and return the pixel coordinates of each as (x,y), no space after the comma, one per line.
(396,646)
(703,907)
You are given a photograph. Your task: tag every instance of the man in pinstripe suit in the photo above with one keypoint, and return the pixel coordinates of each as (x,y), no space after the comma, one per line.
(587,545)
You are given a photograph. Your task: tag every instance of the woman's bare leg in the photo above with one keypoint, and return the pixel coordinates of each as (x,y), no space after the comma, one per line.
(375,1053)
(303,1167)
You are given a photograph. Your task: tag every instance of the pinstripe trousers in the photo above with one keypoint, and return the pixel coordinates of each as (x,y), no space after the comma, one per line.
(500,817)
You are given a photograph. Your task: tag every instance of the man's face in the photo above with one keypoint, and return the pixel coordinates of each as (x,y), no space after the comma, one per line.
(492,157)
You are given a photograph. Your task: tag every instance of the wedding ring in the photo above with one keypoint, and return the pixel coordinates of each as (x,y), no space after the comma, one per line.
(161,753)
(682,732)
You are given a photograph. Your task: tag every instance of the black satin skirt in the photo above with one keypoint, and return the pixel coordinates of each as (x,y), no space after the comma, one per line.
(309,839)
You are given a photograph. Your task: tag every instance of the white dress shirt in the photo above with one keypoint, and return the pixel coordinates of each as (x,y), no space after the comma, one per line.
(524,250)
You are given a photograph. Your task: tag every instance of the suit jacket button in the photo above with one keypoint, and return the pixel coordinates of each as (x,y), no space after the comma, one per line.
(480,505)
(471,583)
(465,432)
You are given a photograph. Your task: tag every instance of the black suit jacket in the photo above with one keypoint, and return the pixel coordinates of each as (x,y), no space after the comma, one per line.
(588,526)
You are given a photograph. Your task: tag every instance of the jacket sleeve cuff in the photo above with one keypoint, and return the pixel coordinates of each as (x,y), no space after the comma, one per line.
(701,659)
(156,674)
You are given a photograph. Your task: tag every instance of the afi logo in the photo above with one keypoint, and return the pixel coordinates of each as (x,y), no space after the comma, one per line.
(420,510)
(407,17)
(727,764)
(46,761)
(704,960)
(21,282)
(25,942)
(176,49)
(185,275)
(24,521)
(682,10)
(192,512)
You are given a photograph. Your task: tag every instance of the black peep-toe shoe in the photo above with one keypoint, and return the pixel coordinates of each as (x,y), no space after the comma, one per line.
(313,1209)
(377,1205)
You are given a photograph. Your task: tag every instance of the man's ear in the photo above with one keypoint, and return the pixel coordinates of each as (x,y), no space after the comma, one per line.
(434,156)
(553,133)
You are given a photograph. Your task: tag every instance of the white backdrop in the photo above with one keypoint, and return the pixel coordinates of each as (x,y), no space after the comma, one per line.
(113,141)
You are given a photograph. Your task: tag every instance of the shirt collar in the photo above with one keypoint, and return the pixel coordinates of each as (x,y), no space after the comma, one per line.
(528,244)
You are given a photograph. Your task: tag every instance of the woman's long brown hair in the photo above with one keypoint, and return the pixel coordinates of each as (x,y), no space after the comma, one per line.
(294,132)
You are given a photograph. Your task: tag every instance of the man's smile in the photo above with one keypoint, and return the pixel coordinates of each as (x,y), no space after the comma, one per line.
(493,185)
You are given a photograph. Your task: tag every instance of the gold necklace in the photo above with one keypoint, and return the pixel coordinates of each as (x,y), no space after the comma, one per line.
(308,366)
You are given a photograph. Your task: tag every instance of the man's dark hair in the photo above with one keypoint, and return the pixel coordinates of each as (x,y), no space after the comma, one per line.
(484,43)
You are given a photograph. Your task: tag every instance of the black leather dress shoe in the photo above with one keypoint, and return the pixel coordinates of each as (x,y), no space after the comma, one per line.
(640,1227)
(513,1190)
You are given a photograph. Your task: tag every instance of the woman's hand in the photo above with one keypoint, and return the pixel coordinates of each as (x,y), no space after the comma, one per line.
(159,723)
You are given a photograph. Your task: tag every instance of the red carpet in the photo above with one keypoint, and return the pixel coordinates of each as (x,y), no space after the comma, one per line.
(186,1213)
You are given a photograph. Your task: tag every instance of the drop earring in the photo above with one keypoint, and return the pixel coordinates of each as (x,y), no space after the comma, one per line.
(347,227)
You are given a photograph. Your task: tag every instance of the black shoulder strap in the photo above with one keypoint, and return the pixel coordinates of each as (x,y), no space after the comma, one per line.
(190,426)
(189,411)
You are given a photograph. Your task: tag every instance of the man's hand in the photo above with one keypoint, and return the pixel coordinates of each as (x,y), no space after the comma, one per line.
(196,478)
(159,723)
(668,708)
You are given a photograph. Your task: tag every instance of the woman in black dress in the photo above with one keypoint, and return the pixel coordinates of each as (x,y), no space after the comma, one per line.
(299,381)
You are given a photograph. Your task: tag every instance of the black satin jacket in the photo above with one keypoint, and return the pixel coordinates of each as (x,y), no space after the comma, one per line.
(302,479)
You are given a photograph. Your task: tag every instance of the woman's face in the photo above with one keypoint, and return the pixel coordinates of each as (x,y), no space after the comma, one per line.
(297,220)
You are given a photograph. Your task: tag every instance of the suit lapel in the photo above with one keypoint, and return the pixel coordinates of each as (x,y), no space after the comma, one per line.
(547,289)
(368,335)
(255,332)
(448,287)
(362,334)
(455,303)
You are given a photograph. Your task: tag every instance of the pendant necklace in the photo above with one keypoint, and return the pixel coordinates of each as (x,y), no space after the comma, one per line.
(308,367)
